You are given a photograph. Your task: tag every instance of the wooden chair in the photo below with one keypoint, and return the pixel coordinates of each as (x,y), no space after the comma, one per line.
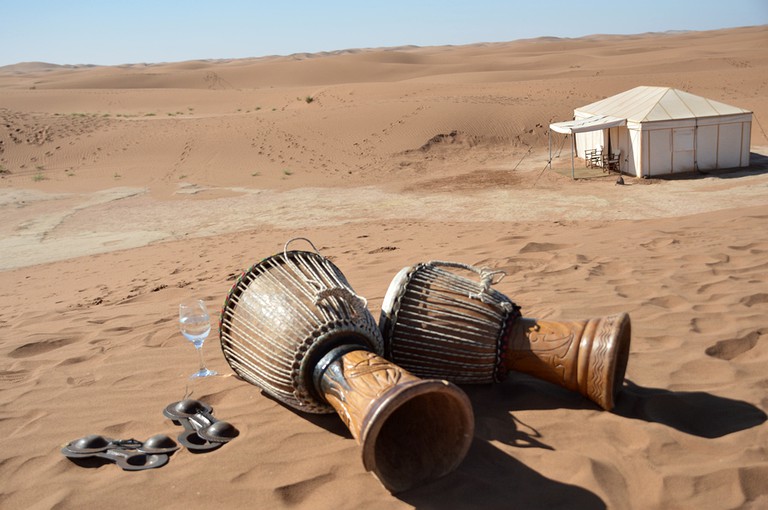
(593,157)
(613,162)
(588,155)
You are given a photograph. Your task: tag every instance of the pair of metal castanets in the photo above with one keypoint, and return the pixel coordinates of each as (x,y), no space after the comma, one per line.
(202,432)
(293,326)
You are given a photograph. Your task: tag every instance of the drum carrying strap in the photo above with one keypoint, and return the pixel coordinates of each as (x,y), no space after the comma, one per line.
(358,304)
(486,280)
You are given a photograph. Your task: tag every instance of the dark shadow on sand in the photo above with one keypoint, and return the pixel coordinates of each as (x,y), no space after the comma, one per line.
(697,413)
(90,462)
(758,165)
(490,479)
(330,422)
(494,406)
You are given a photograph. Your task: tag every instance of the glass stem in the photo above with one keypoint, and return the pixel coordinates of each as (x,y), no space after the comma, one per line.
(202,361)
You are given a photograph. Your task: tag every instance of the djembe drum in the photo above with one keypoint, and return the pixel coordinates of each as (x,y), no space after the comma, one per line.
(437,323)
(293,326)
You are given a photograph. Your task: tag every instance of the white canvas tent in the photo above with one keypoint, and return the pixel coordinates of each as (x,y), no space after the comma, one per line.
(661,130)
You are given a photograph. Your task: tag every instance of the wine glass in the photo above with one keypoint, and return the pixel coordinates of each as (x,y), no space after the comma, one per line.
(195,323)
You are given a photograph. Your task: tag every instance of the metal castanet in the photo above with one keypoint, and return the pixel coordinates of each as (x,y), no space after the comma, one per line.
(437,323)
(293,326)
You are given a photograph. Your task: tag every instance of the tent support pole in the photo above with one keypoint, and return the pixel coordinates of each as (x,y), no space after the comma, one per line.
(549,141)
(573,168)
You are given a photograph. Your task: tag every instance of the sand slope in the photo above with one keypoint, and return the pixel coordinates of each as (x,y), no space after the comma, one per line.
(125,189)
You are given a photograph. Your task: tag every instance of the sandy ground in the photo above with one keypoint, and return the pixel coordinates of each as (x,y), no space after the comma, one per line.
(126,189)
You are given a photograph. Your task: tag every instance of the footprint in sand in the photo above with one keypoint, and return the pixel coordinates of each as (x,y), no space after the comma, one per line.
(300,491)
(659,242)
(730,349)
(35,348)
(755,299)
(382,249)
(81,381)
(13,376)
(669,302)
(539,247)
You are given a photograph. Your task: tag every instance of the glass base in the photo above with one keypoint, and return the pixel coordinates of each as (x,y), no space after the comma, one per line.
(204,372)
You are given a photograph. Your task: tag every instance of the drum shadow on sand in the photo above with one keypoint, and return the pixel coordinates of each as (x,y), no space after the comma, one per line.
(488,476)
(330,422)
(697,413)
(492,478)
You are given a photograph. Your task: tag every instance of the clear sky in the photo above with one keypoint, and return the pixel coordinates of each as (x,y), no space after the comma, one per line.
(112,32)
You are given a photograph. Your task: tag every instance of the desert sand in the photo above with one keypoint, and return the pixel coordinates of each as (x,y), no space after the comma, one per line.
(126,189)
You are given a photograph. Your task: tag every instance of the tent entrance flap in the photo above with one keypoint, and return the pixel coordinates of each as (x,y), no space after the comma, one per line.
(594,123)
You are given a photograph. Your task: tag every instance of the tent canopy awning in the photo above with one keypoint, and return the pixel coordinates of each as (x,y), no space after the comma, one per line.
(594,123)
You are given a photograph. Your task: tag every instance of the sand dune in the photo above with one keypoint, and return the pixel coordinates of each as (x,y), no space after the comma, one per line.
(126,189)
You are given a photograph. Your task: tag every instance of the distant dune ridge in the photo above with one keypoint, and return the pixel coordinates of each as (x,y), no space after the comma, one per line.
(126,188)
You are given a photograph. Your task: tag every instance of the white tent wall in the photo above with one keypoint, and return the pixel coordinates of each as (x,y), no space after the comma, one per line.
(624,143)
(635,155)
(683,149)
(706,143)
(659,151)
(589,140)
(660,148)
(723,142)
(746,142)
(733,144)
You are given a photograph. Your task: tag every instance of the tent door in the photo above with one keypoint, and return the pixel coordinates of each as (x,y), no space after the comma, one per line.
(683,150)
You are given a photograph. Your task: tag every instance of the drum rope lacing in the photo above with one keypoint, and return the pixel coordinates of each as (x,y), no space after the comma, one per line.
(451,327)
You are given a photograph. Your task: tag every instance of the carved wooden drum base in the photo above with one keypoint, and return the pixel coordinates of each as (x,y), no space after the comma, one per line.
(411,430)
(589,356)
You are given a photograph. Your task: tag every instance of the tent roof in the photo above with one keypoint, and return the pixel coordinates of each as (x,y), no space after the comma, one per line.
(594,123)
(648,104)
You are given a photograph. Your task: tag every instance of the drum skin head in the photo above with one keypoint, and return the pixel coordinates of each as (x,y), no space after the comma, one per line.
(390,304)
